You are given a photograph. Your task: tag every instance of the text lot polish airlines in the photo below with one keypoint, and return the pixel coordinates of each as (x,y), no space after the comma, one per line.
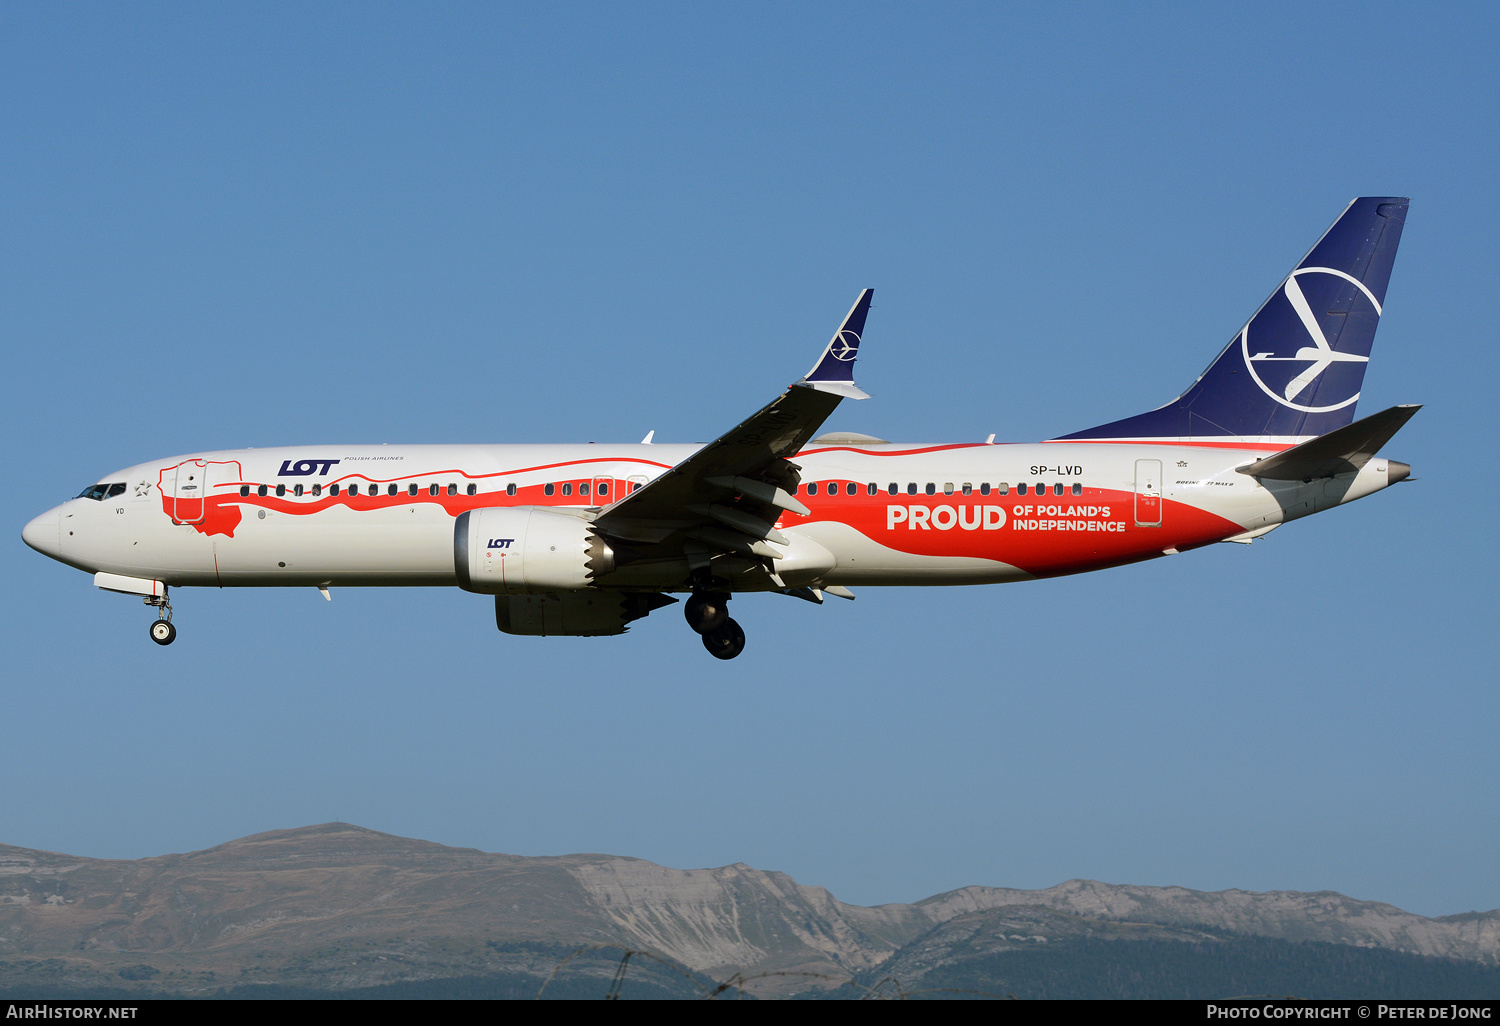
(582,540)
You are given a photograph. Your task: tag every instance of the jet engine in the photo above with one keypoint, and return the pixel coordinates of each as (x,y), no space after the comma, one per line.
(525,550)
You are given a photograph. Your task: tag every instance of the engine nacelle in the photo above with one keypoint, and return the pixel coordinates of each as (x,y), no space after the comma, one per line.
(523,550)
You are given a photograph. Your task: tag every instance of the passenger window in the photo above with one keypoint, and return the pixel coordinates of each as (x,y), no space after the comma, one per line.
(1021,488)
(894,489)
(931,488)
(812,488)
(333,489)
(849,489)
(452,489)
(411,489)
(871,489)
(390,489)
(1057,489)
(984,489)
(583,488)
(568,488)
(297,490)
(244,489)
(1003,488)
(548,488)
(911,488)
(1077,488)
(947,487)
(968,488)
(603,489)
(281,489)
(374,489)
(473,488)
(317,490)
(510,489)
(1041,488)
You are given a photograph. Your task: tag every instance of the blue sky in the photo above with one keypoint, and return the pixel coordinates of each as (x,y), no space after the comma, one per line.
(231,225)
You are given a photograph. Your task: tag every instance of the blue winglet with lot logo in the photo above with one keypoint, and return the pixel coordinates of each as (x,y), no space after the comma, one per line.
(834,371)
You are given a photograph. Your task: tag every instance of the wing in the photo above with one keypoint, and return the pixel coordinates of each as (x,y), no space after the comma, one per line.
(728,495)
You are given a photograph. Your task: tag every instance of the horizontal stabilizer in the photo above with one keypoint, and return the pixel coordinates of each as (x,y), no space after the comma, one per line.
(1341,451)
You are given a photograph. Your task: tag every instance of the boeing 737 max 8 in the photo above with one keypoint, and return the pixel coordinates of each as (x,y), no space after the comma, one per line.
(583,539)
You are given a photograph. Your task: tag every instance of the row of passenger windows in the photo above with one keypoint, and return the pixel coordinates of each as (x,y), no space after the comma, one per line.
(931,488)
(599,488)
(374,489)
(583,488)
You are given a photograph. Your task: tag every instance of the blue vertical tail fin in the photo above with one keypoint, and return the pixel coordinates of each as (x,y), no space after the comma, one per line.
(1295,370)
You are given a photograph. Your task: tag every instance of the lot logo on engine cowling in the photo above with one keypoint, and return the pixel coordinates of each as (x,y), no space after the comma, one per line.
(305,468)
(499,543)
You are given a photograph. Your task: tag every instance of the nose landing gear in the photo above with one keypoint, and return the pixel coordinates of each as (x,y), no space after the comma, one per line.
(162,631)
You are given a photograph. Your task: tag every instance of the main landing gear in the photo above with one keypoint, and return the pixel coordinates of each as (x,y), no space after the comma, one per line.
(707,612)
(162,631)
(726,641)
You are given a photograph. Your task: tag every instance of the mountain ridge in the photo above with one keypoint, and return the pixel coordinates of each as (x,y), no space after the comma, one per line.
(339,906)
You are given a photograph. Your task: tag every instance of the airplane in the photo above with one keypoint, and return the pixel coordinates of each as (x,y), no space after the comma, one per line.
(583,540)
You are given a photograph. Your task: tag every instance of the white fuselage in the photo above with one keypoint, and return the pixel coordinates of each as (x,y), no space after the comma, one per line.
(899,515)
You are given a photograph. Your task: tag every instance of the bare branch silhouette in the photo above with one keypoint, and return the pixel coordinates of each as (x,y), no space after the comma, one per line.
(739,981)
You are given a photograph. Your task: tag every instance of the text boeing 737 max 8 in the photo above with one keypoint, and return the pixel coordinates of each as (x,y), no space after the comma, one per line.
(583,539)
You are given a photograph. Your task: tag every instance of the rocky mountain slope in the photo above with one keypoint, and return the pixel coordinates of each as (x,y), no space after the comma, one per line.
(337,906)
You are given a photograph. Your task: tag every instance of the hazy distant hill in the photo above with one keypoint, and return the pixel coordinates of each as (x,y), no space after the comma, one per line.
(338,907)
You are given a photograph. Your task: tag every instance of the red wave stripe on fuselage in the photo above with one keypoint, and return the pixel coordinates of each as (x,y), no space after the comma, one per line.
(901,452)
(221,513)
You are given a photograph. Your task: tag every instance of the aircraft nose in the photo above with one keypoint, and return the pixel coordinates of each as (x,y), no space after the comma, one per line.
(44,534)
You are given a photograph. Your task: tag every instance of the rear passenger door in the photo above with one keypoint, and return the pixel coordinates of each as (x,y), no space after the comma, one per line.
(1148,493)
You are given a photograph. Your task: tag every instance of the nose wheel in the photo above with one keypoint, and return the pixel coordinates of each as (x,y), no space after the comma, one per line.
(162,631)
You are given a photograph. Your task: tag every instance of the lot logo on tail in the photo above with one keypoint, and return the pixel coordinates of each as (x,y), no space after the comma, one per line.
(1309,362)
(845,346)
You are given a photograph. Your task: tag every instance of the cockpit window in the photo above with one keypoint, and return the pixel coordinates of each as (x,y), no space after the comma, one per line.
(100,492)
